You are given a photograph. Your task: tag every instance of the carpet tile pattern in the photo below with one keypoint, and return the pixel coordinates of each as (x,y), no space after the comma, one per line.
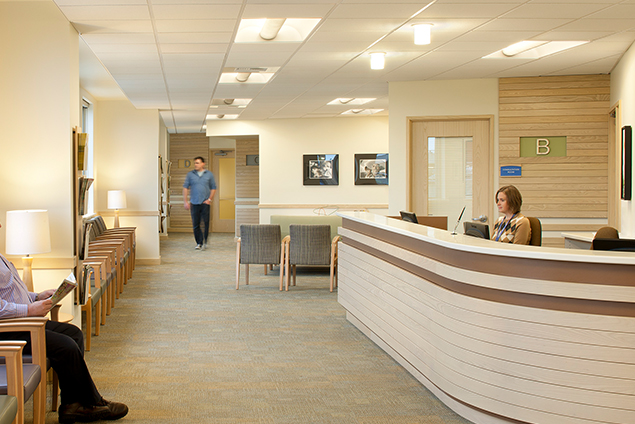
(183,346)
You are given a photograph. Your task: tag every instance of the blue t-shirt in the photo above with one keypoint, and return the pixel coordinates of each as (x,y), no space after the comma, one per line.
(199,186)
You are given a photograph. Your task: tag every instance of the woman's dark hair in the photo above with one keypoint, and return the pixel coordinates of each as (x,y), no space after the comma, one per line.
(514,198)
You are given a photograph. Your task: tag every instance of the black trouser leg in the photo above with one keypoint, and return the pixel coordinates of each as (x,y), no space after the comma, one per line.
(205,218)
(196,212)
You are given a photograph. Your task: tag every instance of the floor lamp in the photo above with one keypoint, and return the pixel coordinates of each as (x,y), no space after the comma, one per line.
(28,233)
(116,201)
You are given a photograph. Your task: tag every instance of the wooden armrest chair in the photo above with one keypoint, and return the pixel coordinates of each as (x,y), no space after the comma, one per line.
(310,245)
(258,244)
(100,247)
(24,380)
(102,230)
(97,292)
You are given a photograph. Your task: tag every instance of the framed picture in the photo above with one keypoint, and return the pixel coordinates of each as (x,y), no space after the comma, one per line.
(321,169)
(371,169)
(627,162)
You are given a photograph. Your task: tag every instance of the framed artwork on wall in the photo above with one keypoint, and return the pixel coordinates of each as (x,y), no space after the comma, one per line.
(627,162)
(321,169)
(371,169)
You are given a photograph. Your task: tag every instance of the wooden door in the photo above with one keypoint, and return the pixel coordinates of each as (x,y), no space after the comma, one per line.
(223,211)
(479,129)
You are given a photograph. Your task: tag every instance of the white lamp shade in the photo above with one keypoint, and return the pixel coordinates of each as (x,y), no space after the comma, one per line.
(28,232)
(422,33)
(116,199)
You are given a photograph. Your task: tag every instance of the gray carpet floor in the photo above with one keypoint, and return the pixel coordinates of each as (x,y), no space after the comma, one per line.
(183,346)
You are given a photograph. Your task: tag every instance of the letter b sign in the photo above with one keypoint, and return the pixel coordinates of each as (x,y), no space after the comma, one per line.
(542,146)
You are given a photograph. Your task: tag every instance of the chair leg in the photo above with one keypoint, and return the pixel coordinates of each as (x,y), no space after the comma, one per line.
(281,264)
(266,266)
(286,267)
(293,266)
(98,312)
(89,322)
(332,275)
(247,274)
(39,403)
(55,391)
(237,263)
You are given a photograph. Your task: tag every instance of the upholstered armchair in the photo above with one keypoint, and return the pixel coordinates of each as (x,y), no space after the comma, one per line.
(258,244)
(310,245)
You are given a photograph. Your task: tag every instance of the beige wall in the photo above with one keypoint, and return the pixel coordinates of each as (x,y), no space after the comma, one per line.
(39,86)
(623,89)
(283,142)
(432,98)
(126,158)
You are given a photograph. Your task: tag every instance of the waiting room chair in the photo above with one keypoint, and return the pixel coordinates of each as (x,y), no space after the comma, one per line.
(536,231)
(310,245)
(607,233)
(24,380)
(258,244)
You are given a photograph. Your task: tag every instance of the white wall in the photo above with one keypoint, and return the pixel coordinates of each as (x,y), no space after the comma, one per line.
(433,98)
(623,88)
(126,158)
(283,142)
(39,92)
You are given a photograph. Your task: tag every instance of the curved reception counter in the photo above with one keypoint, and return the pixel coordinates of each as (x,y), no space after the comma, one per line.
(500,333)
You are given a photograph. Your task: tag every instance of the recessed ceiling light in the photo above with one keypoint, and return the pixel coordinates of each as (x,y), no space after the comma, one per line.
(533,49)
(377,60)
(351,101)
(229,103)
(221,116)
(290,30)
(422,33)
(361,111)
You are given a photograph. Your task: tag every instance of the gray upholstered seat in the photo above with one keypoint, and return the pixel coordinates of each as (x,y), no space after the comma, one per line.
(311,245)
(8,409)
(258,244)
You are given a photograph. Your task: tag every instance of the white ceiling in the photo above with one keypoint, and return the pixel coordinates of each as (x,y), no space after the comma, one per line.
(169,54)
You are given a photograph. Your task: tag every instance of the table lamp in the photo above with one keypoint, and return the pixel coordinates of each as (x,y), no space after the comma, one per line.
(28,233)
(116,201)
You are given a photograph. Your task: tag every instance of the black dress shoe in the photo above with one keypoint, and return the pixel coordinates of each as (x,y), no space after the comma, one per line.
(116,409)
(76,412)
(104,410)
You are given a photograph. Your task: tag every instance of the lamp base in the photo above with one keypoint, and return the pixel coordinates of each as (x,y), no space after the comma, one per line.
(116,218)
(27,272)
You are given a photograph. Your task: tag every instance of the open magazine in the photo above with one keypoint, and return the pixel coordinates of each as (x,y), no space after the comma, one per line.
(65,288)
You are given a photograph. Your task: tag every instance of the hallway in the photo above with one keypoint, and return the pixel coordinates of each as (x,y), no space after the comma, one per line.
(183,346)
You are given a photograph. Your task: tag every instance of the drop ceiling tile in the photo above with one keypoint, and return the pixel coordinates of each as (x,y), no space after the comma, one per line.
(600,25)
(342,48)
(615,12)
(260,59)
(195,11)
(570,36)
(119,13)
(100,2)
(594,67)
(113,26)
(193,48)
(466,10)
(177,61)
(352,25)
(119,38)
(503,24)
(288,10)
(509,37)
(377,11)
(122,48)
(367,37)
(554,10)
(195,37)
(195,25)
(178,2)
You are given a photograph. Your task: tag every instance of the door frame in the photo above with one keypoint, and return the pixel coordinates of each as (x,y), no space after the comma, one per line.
(216,226)
(614,166)
(411,120)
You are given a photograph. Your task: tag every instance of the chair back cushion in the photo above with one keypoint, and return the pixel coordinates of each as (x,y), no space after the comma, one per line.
(259,244)
(285,220)
(607,232)
(310,244)
(536,231)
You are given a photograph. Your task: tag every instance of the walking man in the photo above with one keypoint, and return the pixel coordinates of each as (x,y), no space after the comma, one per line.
(201,187)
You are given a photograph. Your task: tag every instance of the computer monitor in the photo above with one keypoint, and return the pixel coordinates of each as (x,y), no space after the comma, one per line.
(409,216)
(476,229)
(624,245)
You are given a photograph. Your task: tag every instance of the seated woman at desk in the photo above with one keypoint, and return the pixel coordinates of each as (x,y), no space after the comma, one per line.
(512,227)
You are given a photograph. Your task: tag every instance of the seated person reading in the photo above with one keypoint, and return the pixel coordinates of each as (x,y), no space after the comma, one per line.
(512,227)
(64,348)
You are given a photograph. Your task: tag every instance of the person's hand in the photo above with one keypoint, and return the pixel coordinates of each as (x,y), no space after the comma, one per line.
(187,205)
(45,294)
(39,308)
(207,202)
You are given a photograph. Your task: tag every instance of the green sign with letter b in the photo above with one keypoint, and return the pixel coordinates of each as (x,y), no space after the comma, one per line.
(543,146)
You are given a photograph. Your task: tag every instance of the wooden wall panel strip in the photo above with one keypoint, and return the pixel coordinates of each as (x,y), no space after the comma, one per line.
(571,106)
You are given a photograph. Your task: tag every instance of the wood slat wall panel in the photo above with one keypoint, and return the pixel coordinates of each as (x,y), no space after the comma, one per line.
(184,146)
(575,186)
(247,182)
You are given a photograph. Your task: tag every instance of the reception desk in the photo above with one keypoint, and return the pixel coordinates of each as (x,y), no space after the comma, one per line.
(500,333)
